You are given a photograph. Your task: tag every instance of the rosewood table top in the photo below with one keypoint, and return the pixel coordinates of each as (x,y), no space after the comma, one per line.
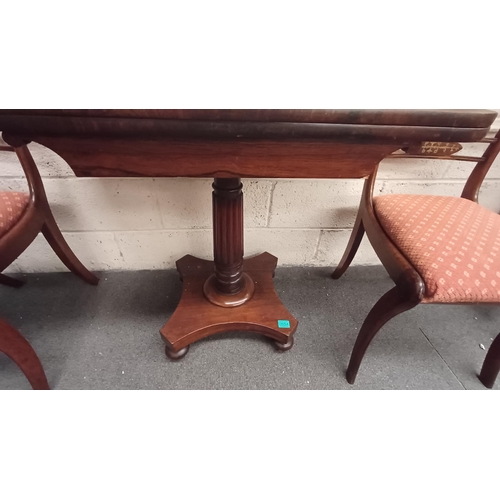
(237,143)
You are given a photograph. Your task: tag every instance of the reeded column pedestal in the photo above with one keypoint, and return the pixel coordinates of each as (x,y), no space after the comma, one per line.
(229,293)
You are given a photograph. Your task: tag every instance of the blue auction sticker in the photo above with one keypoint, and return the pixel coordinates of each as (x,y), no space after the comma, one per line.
(283,323)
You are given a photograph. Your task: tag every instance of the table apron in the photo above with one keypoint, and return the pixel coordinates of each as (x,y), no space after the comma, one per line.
(105,157)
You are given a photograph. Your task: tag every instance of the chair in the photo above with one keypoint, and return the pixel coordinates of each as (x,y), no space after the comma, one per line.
(14,345)
(436,249)
(23,216)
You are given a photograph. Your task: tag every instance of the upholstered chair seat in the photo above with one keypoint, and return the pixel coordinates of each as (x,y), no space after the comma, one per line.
(453,243)
(12,207)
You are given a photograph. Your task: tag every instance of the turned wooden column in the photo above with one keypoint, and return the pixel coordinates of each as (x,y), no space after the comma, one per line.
(229,286)
(228,282)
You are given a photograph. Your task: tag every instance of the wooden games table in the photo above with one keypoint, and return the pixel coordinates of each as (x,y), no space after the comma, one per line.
(231,293)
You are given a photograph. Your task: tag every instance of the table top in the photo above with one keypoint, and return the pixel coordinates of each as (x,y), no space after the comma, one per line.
(293,143)
(421,117)
(369,124)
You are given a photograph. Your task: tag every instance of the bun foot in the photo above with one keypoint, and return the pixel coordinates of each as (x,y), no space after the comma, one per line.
(176,356)
(285,347)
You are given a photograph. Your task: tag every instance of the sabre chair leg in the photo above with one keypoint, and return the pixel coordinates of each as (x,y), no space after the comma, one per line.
(491,365)
(7,280)
(17,348)
(56,240)
(391,304)
(357,234)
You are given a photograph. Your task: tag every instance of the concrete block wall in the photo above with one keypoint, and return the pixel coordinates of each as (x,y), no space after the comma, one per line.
(134,223)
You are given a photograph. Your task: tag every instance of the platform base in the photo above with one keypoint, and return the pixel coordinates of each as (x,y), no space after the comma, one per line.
(196,318)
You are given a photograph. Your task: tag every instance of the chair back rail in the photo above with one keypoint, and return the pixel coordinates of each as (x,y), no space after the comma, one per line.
(476,178)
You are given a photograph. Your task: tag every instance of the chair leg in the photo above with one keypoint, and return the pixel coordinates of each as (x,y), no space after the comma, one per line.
(391,304)
(357,234)
(7,280)
(16,347)
(56,240)
(491,365)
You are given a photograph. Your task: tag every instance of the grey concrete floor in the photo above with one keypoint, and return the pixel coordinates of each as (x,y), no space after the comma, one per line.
(106,337)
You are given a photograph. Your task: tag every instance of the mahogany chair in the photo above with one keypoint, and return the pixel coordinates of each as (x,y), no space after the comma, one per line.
(23,216)
(16,347)
(436,249)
